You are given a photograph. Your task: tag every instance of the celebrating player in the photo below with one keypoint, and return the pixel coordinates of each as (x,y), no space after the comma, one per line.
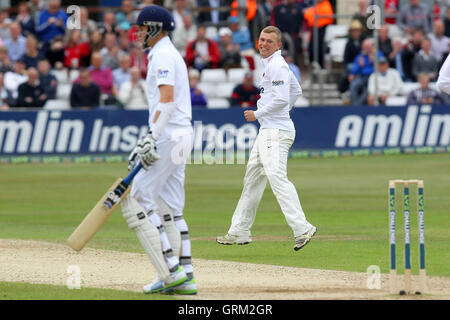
(154,209)
(279,90)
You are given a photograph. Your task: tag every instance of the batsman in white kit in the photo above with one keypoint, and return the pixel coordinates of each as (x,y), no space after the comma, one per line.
(279,90)
(154,208)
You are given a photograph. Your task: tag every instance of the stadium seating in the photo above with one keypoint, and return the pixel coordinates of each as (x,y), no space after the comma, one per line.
(337,49)
(57,104)
(213,75)
(399,101)
(218,103)
(334,31)
(63,91)
(236,75)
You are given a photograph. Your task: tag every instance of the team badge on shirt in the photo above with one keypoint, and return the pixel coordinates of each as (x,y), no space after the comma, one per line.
(161,74)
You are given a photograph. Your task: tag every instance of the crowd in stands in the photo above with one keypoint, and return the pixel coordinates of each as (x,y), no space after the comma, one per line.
(414,54)
(102,65)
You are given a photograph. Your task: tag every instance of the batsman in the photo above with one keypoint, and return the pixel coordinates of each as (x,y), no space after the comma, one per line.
(279,90)
(154,208)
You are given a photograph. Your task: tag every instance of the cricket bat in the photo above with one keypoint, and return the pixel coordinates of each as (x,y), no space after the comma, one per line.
(101,212)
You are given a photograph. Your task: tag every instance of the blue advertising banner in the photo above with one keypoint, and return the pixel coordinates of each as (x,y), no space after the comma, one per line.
(332,129)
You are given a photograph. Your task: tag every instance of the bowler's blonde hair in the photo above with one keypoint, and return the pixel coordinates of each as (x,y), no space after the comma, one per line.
(273,29)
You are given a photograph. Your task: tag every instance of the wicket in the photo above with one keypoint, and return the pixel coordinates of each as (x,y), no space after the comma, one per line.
(407,248)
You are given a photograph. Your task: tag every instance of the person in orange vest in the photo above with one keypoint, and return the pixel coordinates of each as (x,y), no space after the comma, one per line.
(324,13)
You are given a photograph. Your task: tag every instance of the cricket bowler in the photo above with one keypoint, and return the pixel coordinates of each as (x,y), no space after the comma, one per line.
(154,208)
(279,90)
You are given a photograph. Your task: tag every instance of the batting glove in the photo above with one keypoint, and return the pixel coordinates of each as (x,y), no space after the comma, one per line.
(132,159)
(146,151)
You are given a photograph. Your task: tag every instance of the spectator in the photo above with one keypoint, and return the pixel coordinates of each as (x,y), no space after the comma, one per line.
(122,73)
(47,80)
(16,44)
(108,25)
(322,8)
(85,94)
(409,52)
(241,36)
(384,42)
(202,52)
(36,6)
(87,25)
(212,16)
(184,33)
(32,53)
(198,99)
(440,44)
(179,10)
(288,17)
(51,23)
(25,19)
(360,73)
(352,49)
(126,13)
(124,39)
(414,15)
(362,15)
(56,52)
(31,94)
(230,57)
(294,68)
(425,62)
(12,81)
(424,94)
(390,11)
(100,74)
(96,41)
(76,50)
(388,81)
(111,52)
(395,57)
(139,59)
(3,95)
(447,23)
(132,93)
(245,94)
(5,22)
(5,61)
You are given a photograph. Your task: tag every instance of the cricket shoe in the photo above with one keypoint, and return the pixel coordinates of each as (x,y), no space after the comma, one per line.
(175,278)
(188,287)
(303,240)
(229,239)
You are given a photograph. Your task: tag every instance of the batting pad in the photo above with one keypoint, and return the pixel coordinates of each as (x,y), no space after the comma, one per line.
(147,234)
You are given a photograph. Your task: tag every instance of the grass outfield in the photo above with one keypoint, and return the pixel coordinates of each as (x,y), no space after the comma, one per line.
(346,198)
(26,291)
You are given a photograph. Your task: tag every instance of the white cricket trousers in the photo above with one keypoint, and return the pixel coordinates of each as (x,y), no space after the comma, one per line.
(268,162)
(165,178)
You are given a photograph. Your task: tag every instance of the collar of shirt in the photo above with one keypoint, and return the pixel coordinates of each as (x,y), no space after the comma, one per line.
(162,42)
(265,61)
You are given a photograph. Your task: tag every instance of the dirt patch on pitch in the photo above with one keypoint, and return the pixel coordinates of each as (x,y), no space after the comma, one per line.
(47,263)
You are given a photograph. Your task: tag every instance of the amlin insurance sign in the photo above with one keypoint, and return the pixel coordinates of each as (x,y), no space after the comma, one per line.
(317,128)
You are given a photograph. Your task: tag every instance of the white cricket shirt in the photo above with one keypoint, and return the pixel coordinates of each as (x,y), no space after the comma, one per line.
(167,67)
(279,89)
(443,81)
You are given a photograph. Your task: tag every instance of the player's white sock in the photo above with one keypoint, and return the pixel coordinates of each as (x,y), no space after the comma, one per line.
(172,261)
(166,215)
(185,257)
